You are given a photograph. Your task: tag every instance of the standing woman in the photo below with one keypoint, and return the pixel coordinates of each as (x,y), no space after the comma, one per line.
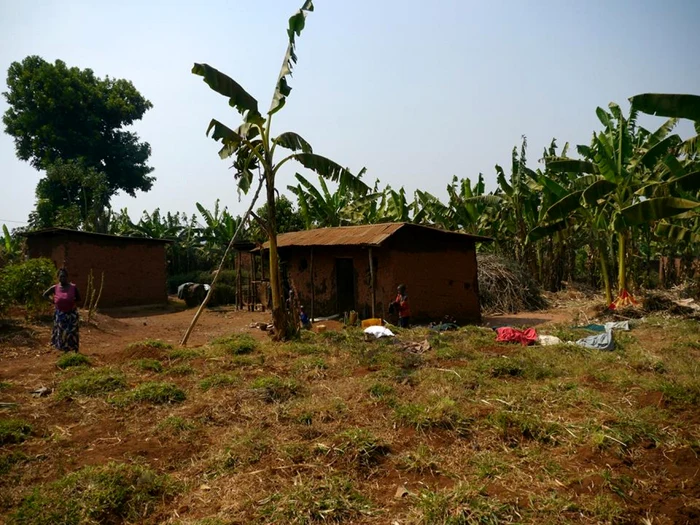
(65,335)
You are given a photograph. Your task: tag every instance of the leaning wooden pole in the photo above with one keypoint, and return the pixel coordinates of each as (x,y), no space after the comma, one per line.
(313,287)
(371,280)
(221,265)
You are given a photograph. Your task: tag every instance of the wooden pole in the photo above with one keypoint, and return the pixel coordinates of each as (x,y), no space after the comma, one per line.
(253,279)
(371,279)
(239,284)
(313,287)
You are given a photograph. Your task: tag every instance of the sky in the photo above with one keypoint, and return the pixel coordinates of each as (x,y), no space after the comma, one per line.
(414,91)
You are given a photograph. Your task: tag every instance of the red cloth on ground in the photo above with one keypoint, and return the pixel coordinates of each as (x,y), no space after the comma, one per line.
(508,334)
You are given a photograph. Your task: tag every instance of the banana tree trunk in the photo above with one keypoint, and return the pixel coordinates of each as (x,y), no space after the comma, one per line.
(622,262)
(605,273)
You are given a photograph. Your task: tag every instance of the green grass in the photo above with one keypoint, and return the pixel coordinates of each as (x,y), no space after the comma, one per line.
(438,412)
(330,500)
(4,385)
(8,461)
(514,426)
(218,381)
(180,370)
(149,365)
(93,383)
(357,447)
(421,460)
(151,343)
(14,431)
(274,389)
(236,344)
(176,426)
(154,393)
(380,390)
(246,449)
(113,493)
(462,505)
(312,367)
(70,359)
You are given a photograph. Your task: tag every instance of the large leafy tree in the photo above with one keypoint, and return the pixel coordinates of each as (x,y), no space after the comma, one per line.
(60,113)
(254,147)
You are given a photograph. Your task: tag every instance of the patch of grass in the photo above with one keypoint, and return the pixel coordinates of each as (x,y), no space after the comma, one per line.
(180,370)
(514,426)
(4,385)
(113,493)
(380,390)
(236,344)
(307,348)
(527,368)
(274,389)
(439,412)
(70,359)
(218,381)
(684,393)
(185,353)
(357,447)
(175,425)
(93,383)
(311,367)
(421,460)
(152,392)
(151,343)
(330,500)
(14,431)
(149,365)
(247,449)
(10,460)
(462,505)
(488,464)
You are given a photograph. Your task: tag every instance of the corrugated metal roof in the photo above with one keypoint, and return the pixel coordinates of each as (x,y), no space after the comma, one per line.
(366,235)
(50,232)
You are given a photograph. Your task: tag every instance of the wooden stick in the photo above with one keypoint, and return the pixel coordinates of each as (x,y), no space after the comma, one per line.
(313,287)
(371,280)
(221,265)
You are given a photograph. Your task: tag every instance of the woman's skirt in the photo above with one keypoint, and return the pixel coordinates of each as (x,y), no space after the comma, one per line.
(65,334)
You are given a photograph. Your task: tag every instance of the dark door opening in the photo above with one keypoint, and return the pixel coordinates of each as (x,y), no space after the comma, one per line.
(345,285)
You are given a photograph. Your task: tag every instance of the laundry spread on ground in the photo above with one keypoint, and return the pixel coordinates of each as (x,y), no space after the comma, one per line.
(508,334)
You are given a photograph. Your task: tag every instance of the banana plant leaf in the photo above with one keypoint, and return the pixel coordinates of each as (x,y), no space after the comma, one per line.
(655,209)
(238,97)
(571,166)
(664,105)
(294,142)
(331,170)
(598,190)
(546,230)
(675,233)
(564,207)
(656,152)
(689,182)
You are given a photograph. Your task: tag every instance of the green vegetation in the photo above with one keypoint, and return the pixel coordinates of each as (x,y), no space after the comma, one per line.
(236,344)
(185,353)
(149,365)
(8,461)
(274,389)
(112,493)
(151,343)
(246,449)
(92,383)
(23,283)
(14,431)
(180,370)
(70,359)
(154,393)
(462,504)
(219,381)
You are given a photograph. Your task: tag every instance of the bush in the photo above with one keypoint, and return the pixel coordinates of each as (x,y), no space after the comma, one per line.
(176,280)
(223,294)
(113,493)
(24,283)
(157,394)
(236,344)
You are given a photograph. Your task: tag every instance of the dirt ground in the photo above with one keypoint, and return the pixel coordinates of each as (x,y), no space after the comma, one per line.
(647,480)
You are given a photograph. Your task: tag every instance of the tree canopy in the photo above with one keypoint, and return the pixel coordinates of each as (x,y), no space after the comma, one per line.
(56,112)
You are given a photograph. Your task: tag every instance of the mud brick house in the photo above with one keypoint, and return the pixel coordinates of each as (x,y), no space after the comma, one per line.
(134,268)
(335,270)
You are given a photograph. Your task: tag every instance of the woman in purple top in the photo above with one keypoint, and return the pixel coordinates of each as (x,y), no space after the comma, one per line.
(65,335)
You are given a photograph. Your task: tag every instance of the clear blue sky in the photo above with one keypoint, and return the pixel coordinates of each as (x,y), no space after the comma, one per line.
(415,91)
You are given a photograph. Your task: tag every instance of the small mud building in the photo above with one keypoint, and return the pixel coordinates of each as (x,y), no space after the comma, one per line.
(335,270)
(134,268)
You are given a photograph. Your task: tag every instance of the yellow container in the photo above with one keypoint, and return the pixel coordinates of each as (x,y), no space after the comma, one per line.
(371,322)
(352,318)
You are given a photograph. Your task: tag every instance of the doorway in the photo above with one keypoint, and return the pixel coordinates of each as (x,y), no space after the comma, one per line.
(345,284)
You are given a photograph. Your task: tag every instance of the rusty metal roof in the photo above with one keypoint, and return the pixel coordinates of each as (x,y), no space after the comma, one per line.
(52,232)
(366,235)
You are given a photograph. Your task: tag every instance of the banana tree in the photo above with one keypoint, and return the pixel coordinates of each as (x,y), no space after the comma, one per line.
(254,147)
(630,166)
(219,226)
(11,246)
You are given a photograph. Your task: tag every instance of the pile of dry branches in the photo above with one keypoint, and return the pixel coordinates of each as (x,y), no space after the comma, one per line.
(505,287)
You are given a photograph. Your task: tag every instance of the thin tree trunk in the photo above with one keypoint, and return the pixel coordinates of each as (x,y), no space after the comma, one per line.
(621,261)
(605,273)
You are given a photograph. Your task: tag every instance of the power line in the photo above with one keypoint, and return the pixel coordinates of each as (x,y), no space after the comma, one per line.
(16,222)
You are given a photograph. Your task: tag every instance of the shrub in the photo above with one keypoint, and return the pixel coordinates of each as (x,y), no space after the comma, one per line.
(14,431)
(236,344)
(223,294)
(70,359)
(113,493)
(93,383)
(24,283)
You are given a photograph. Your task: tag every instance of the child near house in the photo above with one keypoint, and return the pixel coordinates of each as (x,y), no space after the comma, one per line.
(400,305)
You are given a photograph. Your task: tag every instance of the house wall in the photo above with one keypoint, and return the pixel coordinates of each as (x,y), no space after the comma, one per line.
(134,272)
(441,278)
